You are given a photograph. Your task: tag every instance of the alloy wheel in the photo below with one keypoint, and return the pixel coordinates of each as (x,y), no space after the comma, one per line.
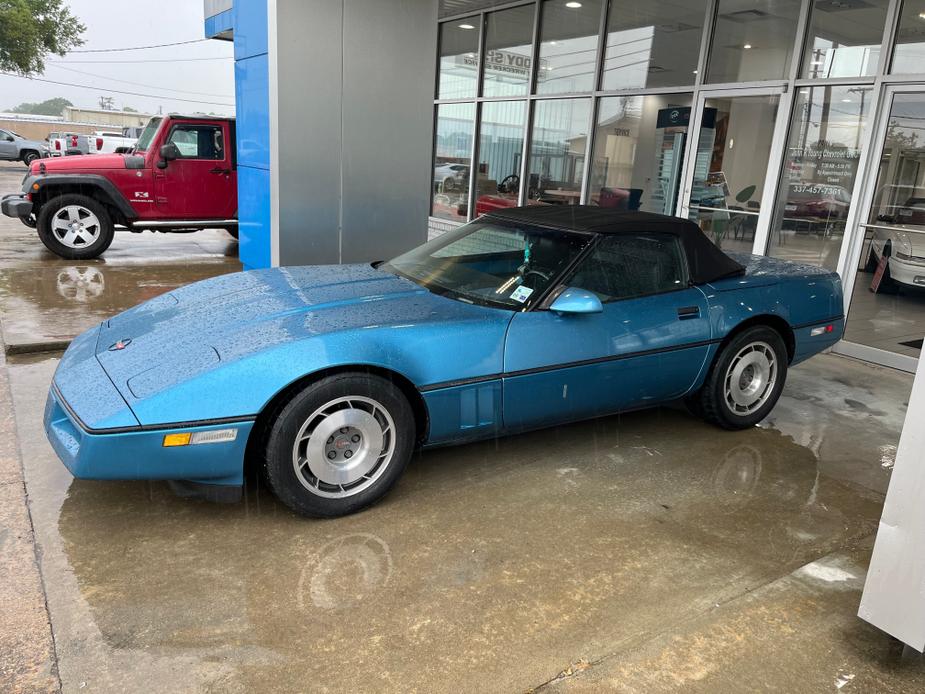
(75,226)
(343,447)
(750,378)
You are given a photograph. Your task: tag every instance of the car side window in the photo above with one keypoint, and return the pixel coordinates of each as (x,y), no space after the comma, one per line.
(624,266)
(198,141)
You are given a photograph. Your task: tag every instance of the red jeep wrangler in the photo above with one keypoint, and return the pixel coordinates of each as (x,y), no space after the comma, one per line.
(181,176)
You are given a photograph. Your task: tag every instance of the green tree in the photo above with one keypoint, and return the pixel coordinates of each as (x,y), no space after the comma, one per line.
(49,107)
(31,29)
(129,109)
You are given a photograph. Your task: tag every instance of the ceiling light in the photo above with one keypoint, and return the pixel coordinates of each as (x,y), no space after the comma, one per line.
(747,46)
(695,72)
(846,101)
(466,26)
(818,62)
(921,15)
(573,5)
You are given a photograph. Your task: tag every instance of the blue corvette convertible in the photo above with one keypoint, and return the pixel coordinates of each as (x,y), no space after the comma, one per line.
(331,376)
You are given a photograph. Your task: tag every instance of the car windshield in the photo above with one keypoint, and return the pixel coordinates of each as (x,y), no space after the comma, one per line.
(491,263)
(144,140)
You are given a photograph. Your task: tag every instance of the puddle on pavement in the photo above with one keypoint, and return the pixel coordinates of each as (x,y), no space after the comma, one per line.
(58,299)
(58,303)
(486,563)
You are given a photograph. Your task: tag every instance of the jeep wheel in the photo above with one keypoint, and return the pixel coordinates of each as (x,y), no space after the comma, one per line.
(75,227)
(29,157)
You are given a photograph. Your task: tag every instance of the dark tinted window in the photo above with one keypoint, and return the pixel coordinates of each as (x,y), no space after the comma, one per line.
(624,266)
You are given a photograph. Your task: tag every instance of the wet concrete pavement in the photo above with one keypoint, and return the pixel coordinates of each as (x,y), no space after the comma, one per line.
(650,549)
(644,552)
(46,300)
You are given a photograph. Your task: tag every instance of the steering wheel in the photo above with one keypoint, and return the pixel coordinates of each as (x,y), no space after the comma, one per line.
(510,184)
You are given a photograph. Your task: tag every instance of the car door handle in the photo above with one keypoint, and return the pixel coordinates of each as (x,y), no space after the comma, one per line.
(688,312)
(220,171)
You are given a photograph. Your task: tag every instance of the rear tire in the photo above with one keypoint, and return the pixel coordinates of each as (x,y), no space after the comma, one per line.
(339,445)
(745,381)
(872,263)
(75,227)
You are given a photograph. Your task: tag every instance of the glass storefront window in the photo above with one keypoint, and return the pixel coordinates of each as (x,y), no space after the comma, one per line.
(501,141)
(888,305)
(753,40)
(652,44)
(909,54)
(508,52)
(844,38)
(730,168)
(452,161)
(568,46)
(639,152)
(459,59)
(557,151)
(819,173)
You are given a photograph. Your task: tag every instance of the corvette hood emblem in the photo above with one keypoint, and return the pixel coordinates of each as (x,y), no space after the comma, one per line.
(120,345)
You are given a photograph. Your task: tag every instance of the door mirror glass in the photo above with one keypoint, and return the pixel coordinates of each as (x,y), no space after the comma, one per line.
(575,300)
(170,151)
(8,138)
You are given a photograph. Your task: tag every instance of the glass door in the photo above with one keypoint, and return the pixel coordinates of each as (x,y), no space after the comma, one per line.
(739,135)
(885,278)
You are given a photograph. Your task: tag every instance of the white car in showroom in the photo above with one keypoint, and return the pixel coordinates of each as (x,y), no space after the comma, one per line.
(899,235)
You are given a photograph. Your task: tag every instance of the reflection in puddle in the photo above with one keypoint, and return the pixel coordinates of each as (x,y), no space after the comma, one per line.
(80,284)
(345,572)
(738,472)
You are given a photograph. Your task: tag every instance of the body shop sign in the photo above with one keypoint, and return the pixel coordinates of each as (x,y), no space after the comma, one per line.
(503,62)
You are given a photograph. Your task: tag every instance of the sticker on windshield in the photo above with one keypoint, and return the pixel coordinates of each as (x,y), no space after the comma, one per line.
(521,294)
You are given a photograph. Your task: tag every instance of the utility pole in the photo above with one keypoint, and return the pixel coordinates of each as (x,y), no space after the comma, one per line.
(107,103)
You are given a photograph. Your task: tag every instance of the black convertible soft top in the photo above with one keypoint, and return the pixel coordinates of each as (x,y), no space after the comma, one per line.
(706,262)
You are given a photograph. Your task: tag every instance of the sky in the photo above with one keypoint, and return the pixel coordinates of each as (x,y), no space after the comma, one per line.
(207,84)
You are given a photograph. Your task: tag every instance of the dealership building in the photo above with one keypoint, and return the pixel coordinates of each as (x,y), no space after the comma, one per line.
(789,128)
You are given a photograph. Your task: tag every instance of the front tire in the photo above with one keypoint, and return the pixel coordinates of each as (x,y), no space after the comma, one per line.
(29,157)
(75,227)
(339,445)
(745,381)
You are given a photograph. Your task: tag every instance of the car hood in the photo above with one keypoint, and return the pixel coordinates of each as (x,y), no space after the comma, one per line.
(85,162)
(213,323)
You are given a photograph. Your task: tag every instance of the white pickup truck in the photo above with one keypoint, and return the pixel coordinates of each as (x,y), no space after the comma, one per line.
(63,144)
(109,141)
(98,142)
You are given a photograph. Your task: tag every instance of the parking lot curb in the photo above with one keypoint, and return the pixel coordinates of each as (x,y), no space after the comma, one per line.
(22,348)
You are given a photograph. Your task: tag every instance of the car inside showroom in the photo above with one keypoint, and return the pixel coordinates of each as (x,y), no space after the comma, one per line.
(474,345)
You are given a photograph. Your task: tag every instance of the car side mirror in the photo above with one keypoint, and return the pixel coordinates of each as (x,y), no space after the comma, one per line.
(574,300)
(9,138)
(169,152)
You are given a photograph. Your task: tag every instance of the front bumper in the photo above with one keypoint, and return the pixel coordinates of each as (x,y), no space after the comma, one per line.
(16,205)
(138,453)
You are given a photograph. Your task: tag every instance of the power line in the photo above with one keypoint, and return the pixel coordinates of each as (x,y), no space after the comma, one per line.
(136,48)
(152,60)
(138,84)
(116,91)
